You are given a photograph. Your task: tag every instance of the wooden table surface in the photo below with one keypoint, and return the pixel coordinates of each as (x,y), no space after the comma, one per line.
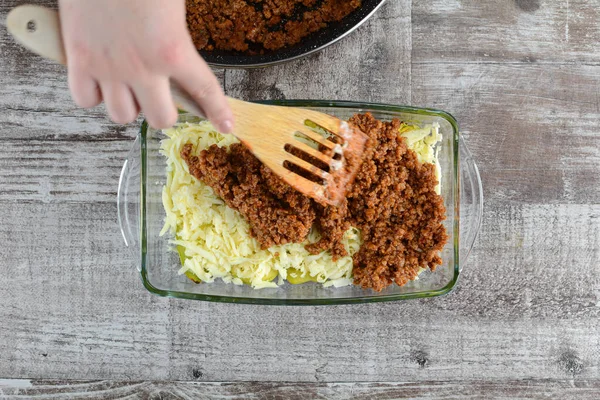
(523,79)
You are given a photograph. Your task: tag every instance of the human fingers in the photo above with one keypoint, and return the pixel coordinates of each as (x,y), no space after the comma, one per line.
(119,101)
(84,89)
(156,102)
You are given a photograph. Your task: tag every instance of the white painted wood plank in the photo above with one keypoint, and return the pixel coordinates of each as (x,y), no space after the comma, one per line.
(527,31)
(61,171)
(71,298)
(473,389)
(533,129)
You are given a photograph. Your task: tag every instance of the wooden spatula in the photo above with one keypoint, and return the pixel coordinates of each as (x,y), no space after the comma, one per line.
(278,136)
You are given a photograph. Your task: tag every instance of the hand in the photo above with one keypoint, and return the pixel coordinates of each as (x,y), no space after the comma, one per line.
(125,51)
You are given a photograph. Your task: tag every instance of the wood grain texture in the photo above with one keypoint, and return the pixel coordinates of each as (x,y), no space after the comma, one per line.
(516,31)
(96,320)
(61,171)
(522,322)
(103,390)
(533,129)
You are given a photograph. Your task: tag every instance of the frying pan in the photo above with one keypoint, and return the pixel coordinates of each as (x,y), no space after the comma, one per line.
(309,45)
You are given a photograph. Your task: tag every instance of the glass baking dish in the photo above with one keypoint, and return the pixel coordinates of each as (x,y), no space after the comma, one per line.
(141,217)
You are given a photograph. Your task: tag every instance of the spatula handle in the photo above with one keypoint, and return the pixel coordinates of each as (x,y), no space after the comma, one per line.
(38,29)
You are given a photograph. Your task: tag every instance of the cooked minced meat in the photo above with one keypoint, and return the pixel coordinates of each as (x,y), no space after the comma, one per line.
(253,26)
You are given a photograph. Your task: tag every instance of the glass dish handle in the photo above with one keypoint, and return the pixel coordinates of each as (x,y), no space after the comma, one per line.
(128,197)
(471,202)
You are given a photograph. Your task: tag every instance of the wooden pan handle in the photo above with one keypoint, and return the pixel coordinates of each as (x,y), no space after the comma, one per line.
(38,29)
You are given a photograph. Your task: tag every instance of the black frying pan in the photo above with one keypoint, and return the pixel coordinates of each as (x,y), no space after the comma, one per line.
(310,44)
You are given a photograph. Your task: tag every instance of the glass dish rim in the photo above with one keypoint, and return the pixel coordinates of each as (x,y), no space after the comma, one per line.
(321,301)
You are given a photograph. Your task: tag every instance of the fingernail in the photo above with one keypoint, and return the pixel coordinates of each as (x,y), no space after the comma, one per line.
(226,126)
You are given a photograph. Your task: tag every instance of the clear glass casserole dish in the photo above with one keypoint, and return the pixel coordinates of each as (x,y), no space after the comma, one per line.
(141,217)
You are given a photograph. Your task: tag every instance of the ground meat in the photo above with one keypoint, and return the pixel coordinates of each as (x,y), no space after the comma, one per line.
(254,26)
(276,213)
(394,204)
(392,201)
(332,224)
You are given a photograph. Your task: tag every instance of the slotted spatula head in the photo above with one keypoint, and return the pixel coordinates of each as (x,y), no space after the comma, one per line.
(317,154)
